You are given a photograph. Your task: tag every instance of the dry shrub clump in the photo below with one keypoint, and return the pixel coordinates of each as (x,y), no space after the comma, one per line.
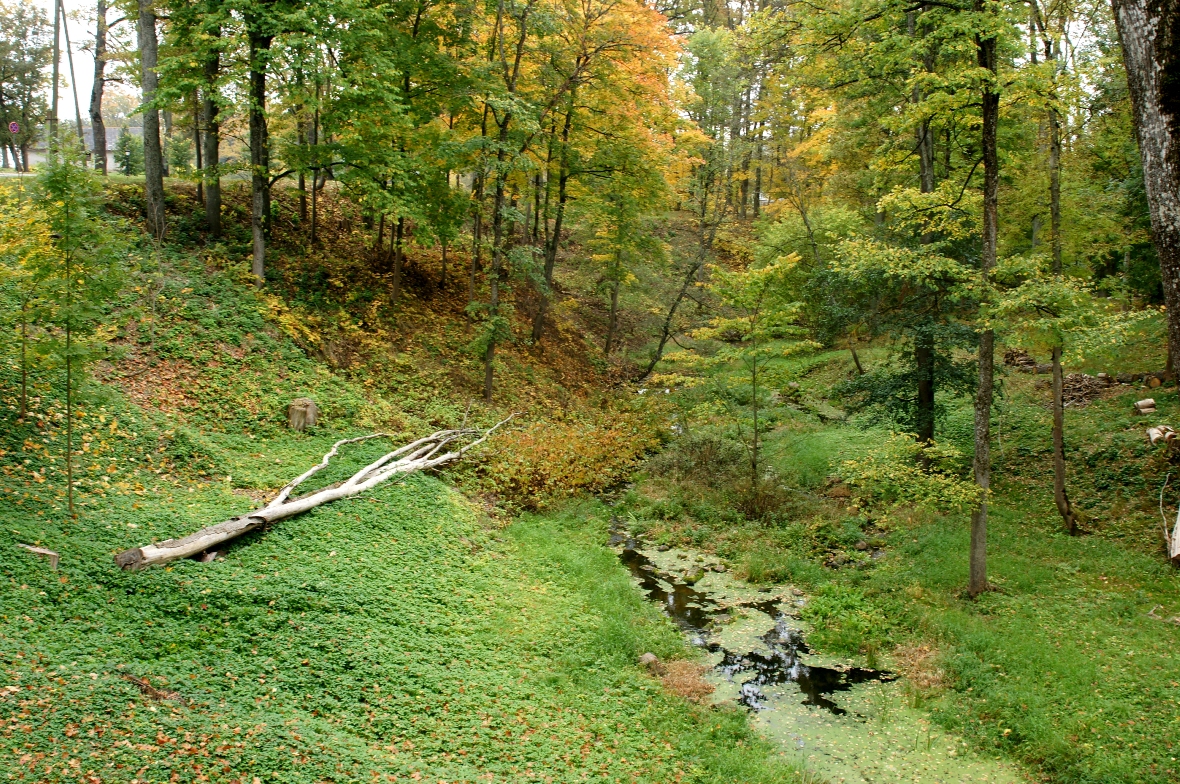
(541,462)
(686,679)
(918,663)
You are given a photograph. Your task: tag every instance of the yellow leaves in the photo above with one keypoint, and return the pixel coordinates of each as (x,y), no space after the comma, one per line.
(893,474)
(297,326)
(864,260)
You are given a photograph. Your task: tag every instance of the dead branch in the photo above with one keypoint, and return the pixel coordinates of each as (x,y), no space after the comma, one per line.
(424,453)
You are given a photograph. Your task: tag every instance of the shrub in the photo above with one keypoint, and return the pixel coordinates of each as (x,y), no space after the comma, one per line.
(702,457)
(539,463)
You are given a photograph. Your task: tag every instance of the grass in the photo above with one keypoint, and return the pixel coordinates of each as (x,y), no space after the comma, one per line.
(393,634)
(1061,667)
(401,635)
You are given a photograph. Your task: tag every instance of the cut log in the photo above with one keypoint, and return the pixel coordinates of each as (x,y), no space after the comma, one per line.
(1160,433)
(1145,406)
(421,454)
(302,413)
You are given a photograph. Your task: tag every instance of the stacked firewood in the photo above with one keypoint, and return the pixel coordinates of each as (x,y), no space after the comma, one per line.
(1078,389)
(1020,359)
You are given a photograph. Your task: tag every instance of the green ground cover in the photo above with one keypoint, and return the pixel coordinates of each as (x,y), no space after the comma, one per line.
(400,635)
(1066,666)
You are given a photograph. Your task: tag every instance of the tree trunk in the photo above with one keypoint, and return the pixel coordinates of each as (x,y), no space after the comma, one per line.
(166,116)
(259,153)
(397,260)
(1150,34)
(197,147)
(924,343)
(315,172)
(666,328)
(986,53)
(924,362)
(554,239)
(442,281)
(210,174)
(153,153)
(476,235)
(1059,494)
(55,80)
(494,274)
(613,323)
(860,371)
(379,244)
(98,128)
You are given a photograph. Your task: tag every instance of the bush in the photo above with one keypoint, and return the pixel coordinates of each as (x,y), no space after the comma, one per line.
(545,461)
(702,457)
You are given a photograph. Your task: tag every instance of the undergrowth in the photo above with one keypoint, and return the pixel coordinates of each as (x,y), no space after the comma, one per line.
(1068,665)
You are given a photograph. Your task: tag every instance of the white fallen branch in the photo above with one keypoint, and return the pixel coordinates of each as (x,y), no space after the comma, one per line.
(424,453)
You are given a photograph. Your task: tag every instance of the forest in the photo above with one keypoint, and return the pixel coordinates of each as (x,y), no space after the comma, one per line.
(590,390)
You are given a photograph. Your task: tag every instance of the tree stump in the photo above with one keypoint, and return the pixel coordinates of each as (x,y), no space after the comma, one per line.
(302,413)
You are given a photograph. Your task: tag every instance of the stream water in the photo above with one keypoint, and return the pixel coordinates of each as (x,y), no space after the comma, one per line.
(848,723)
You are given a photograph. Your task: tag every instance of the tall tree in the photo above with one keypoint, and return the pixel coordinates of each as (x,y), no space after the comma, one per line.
(1150,34)
(153,151)
(97,125)
(986,49)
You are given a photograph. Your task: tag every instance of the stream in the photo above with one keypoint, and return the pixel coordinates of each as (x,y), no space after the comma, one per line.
(846,722)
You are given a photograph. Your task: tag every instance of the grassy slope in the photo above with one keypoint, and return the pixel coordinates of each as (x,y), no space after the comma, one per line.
(400,634)
(1061,667)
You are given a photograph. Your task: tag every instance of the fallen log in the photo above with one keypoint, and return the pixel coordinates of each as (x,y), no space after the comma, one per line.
(421,454)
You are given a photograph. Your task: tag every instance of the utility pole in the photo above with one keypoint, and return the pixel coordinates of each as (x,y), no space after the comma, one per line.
(56,71)
(65,28)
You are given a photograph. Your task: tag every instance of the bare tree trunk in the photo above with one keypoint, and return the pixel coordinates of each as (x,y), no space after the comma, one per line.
(211,176)
(153,153)
(986,52)
(98,128)
(442,281)
(1150,34)
(259,153)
